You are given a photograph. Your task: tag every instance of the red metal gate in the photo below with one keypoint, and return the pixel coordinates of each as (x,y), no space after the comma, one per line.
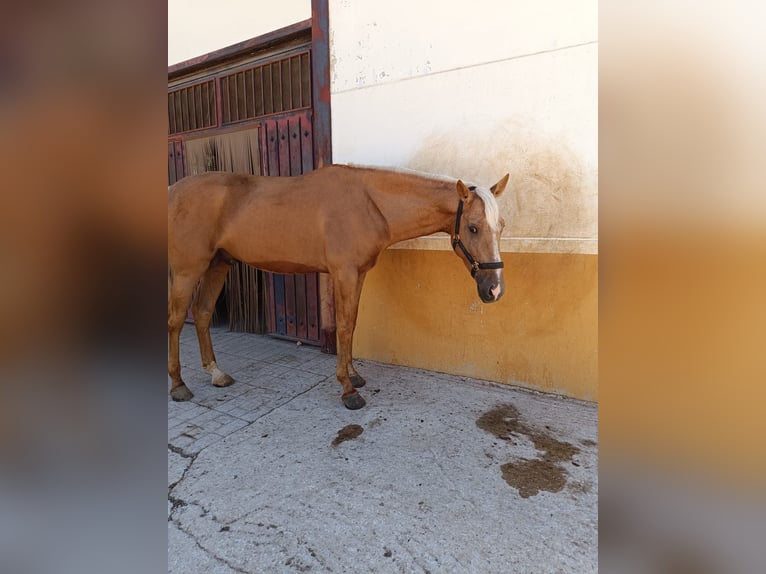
(287,149)
(274,92)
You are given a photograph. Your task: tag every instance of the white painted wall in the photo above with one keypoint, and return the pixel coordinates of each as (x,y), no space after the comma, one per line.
(474,90)
(197,27)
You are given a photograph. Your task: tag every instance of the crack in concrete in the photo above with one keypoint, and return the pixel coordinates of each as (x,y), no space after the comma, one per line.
(210,553)
(181,452)
(177,502)
(291,399)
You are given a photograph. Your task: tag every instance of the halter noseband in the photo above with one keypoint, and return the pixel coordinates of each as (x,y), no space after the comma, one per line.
(456,242)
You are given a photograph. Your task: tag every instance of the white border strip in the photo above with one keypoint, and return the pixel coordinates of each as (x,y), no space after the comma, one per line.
(584,246)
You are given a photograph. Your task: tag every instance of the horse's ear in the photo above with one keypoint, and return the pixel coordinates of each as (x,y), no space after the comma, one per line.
(463,192)
(498,188)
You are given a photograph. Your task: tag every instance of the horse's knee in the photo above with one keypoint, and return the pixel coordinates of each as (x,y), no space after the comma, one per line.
(175,323)
(201,317)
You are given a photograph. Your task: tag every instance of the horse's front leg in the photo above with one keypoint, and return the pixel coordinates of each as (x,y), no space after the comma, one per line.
(348,287)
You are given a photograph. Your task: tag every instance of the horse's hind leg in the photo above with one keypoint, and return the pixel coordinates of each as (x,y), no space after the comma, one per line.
(181,289)
(202,309)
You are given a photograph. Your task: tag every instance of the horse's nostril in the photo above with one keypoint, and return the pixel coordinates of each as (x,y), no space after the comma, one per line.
(495,291)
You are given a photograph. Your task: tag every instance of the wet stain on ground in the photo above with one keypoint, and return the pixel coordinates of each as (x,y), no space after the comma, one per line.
(529,477)
(348,432)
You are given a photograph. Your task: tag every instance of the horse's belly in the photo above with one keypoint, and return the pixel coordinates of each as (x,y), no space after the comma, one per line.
(287,267)
(277,241)
(278,256)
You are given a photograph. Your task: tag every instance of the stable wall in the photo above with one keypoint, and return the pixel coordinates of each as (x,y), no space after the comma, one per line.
(197,27)
(475,91)
(420,308)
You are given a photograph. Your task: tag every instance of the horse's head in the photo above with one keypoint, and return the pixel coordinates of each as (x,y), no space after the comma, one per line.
(476,239)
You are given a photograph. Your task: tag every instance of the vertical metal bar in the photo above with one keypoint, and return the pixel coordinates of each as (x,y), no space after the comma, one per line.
(205,104)
(242,102)
(263,91)
(179,111)
(320,90)
(276,86)
(270,75)
(236,97)
(171,114)
(218,103)
(289,83)
(192,107)
(250,89)
(185,109)
(300,80)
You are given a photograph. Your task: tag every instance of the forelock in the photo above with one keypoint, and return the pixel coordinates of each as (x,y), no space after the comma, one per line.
(491,208)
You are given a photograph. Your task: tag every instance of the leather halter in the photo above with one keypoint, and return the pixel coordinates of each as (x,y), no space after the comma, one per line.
(456,242)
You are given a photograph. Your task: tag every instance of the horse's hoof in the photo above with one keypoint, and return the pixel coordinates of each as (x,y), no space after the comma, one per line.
(353,401)
(223,381)
(357,381)
(181,393)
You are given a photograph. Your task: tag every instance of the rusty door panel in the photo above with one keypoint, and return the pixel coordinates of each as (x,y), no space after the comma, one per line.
(176,164)
(287,150)
(171,163)
(312,307)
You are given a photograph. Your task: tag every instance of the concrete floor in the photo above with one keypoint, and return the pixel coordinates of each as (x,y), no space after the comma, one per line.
(449,474)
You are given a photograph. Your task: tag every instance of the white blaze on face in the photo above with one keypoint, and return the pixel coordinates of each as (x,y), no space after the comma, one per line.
(492,213)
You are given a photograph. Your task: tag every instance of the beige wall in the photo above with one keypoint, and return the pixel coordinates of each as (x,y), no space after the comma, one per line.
(420,308)
(197,27)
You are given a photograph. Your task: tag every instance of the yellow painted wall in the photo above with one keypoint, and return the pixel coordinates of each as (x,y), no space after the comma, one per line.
(420,308)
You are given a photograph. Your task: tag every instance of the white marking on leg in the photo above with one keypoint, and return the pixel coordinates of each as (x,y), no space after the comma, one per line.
(214,371)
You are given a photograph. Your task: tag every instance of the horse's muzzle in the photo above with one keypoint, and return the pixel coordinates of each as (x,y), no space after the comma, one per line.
(491,287)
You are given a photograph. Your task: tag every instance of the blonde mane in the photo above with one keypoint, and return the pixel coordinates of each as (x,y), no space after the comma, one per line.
(491,208)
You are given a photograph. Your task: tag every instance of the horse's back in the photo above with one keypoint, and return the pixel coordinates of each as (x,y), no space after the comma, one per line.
(209,188)
(284,224)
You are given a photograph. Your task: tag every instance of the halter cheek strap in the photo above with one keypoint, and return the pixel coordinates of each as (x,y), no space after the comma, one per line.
(456,242)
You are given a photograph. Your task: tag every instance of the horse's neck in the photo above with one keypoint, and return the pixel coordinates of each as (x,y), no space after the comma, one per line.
(427,206)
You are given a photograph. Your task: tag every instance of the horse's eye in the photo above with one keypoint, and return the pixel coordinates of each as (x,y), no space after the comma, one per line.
(473,229)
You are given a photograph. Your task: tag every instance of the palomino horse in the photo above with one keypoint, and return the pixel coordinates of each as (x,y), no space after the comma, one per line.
(336,220)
